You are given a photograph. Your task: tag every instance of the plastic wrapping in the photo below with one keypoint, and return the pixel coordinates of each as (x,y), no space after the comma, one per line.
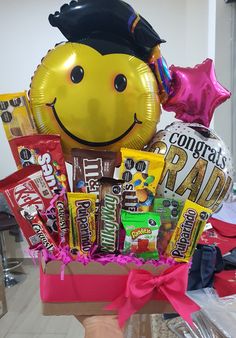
(216,318)
(220,311)
(203,328)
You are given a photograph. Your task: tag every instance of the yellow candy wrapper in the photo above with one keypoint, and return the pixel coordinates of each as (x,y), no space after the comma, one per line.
(16,115)
(82,222)
(188,231)
(141,171)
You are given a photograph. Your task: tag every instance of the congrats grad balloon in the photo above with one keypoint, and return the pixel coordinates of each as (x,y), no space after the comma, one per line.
(198,164)
(99,89)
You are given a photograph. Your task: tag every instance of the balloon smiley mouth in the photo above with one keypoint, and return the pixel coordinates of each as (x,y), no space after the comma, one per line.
(89,143)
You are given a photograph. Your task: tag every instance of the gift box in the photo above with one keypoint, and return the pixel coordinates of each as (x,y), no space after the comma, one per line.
(96,289)
(225,283)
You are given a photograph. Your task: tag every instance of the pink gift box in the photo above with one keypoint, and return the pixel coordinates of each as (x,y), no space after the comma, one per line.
(96,289)
(86,290)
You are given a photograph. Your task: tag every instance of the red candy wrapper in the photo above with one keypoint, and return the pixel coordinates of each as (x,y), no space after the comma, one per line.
(31,214)
(24,188)
(62,217)
(46,151)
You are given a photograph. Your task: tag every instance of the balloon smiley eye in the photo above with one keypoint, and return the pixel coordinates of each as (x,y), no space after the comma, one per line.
(77,74)
(120,83)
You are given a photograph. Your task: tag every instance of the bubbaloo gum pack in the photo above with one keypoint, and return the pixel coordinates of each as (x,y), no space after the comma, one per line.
(16,115)
(22,189)
(82,222)
(188,231)
(141,233)
(46,151)
(141,171)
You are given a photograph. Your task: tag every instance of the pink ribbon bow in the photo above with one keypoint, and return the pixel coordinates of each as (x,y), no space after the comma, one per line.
(142,286)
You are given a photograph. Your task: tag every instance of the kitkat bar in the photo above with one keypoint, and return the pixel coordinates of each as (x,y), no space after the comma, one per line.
(46,151)
(88,167)
(23,188)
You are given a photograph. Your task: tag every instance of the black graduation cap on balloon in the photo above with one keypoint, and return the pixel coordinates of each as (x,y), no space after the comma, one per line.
(114,21)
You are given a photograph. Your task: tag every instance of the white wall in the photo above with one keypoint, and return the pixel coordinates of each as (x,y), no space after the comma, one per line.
(184,25)
(225,44)
(26,36)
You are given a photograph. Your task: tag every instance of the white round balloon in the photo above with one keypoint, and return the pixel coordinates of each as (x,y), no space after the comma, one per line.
(198,164)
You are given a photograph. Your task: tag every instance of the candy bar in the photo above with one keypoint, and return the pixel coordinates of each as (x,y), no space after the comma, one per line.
(46,151)
(62,217)
(82,222)
(23,188)
(31,214)
(188,231)
(110,196)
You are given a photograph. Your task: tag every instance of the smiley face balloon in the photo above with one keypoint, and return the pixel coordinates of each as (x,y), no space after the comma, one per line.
(97,90)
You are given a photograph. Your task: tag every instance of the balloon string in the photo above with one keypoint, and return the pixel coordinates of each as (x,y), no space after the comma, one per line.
(133,21)
(164,74)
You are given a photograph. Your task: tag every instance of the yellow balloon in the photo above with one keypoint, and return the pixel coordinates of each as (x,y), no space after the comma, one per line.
(93,100)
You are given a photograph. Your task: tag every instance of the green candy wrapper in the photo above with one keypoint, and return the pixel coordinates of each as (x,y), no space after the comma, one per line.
(169,211)
(141,233)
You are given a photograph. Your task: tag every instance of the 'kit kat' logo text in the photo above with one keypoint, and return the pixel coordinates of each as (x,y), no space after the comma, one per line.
(26,195)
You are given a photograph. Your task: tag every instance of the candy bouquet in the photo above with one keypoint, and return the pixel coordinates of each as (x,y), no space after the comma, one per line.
(108,235)
(122,239)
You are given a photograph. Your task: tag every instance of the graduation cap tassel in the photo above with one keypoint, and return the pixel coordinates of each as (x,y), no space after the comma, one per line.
(133,21)
(160,68)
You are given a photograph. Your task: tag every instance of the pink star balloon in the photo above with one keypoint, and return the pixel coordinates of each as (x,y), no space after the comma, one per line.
(195,93)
